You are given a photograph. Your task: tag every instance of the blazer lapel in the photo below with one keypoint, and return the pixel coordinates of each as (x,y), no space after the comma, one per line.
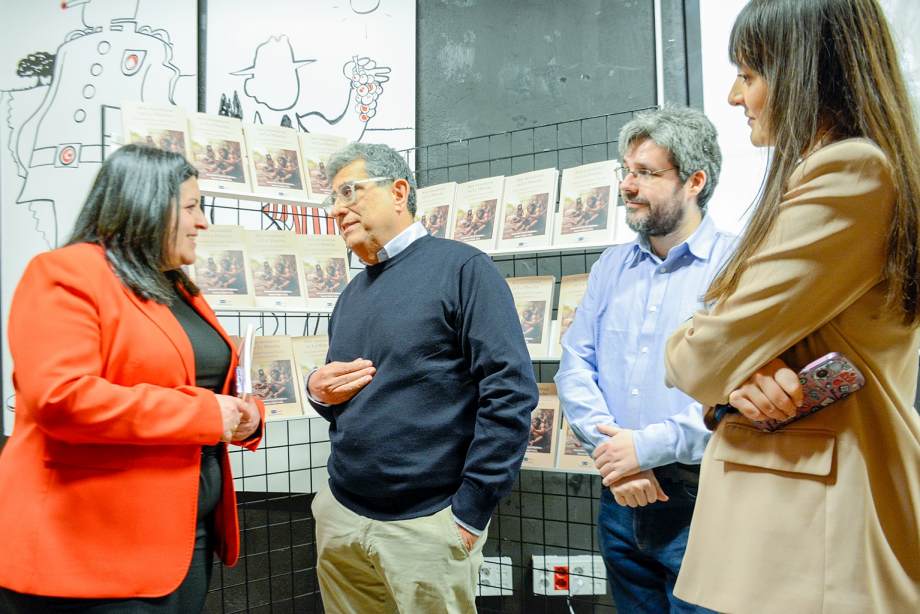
(167,322)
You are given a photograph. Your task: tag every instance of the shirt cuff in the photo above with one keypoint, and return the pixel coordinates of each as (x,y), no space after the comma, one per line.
(311,398)
(474,531)
(654,446)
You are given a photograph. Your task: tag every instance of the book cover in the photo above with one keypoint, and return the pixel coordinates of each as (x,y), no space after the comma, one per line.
(476,212)
(276,269)
(218,152)
(275,163)
(309,353)
(324,260)
(533,300)
(529,202)
(587,202)
(273,377)
(433,207)
(220,268)
(544,430)
(161,126)
(572,454)
(316,150)
(571,290)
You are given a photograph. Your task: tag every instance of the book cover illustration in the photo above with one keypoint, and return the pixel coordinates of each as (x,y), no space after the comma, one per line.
(220,269)
(433,206)
(533,300)
(309,354)
(217,151)
(586,205)
(572,454)
(274,158)
(476,212)
(324,259)
(527,213)
(275,269)
(571,290)
(316,150)
(544,430)
(273,377)
(162,126)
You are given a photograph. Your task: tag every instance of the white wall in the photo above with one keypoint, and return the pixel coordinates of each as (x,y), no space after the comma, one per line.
(744,166)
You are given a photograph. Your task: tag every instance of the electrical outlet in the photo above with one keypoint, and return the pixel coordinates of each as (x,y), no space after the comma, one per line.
(582,574)
(495,578)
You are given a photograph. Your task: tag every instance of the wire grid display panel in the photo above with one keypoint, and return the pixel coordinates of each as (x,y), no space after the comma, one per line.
(547,512)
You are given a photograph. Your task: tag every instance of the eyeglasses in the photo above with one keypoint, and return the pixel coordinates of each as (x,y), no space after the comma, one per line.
(641,175)
(347,193)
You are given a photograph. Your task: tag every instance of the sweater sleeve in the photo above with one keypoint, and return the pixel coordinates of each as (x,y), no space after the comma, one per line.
(826,250)
(491,336)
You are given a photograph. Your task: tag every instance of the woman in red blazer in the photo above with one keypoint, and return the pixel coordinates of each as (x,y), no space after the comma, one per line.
(116,480)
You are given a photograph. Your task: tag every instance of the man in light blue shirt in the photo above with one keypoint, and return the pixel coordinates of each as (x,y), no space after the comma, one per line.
(647,440)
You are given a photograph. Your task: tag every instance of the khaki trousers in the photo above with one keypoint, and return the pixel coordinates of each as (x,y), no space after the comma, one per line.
(416,566)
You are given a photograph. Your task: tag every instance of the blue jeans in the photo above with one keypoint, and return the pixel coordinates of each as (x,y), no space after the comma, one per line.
(644,546)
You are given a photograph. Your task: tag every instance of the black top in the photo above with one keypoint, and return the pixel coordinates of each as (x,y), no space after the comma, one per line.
(212,354)
(445,419)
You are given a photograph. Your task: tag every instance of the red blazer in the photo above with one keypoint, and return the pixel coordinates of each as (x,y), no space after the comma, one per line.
(100,476)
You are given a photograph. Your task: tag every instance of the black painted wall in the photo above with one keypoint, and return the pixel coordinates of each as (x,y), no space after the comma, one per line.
(486,66)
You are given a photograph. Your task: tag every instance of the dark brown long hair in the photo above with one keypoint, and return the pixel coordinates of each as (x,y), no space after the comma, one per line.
(132,211)
(832,73)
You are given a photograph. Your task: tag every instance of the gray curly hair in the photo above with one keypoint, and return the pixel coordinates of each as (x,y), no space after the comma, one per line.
(379,161)
(687,134)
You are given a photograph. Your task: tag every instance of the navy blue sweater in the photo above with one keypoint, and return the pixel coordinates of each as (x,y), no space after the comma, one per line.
(446,417)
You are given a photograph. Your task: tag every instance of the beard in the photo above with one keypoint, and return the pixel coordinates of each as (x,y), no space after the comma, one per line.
(659,221)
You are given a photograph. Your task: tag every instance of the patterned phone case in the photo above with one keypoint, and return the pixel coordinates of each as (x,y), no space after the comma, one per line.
(824,381)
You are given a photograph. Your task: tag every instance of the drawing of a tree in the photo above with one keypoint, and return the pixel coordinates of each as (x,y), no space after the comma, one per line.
(39,65)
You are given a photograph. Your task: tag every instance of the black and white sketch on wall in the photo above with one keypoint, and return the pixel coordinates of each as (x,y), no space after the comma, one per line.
(60,62)
(339,67)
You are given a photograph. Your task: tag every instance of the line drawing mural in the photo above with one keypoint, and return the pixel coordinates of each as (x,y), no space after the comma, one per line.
(59,64)
(323,69)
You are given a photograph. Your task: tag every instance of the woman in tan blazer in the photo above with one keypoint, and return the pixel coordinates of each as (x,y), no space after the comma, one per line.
(824,515)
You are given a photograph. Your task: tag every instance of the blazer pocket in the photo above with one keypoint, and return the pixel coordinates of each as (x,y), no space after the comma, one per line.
(805,451)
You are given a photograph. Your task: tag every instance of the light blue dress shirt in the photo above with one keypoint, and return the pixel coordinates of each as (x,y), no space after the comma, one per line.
(400,242)
(612,369)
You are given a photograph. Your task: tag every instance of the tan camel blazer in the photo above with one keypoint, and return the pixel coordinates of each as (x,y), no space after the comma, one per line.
(823,516)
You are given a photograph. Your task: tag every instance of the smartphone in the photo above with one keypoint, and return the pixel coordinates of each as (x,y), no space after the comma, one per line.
(824,381)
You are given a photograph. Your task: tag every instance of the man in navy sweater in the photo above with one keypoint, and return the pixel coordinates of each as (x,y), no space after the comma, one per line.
(428,389)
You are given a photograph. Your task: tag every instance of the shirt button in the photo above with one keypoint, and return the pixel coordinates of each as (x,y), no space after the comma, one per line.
(634,392)
(663,270)
(653,308)
(644,349)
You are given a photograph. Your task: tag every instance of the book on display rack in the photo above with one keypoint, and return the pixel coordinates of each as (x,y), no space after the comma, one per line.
(275,162)
(587,202)
(533,300)
(309,354)
(273,377)
(218,151)
(275,268)
(324,260)
(544,430)
(221,269)
(526,215)
(475,219)
(316,150)
(162,126)
(433,207)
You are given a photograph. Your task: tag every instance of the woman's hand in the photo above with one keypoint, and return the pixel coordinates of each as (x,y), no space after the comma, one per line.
(249,421)
(231,414)
(773,391)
